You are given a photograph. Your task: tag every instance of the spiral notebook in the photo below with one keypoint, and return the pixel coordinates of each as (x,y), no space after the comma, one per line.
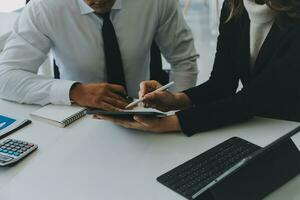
(59,115)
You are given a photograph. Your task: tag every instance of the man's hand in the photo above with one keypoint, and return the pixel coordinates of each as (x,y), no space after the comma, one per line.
(99,95)
(163,100)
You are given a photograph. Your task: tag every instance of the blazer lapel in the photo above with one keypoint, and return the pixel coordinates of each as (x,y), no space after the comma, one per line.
(268,48)
(243,50)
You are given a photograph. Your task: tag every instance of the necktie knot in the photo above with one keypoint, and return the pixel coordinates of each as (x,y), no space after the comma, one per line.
(105,16)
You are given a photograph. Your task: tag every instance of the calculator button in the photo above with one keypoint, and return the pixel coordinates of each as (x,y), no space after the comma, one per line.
(4,158)
(10,152)
(4,151)
(7,141)
(16,154)
(20,151)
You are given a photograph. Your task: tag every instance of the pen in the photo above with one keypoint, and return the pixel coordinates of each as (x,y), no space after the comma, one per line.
(157,90)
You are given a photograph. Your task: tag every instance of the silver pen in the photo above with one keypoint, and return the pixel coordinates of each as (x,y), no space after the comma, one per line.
(157,90)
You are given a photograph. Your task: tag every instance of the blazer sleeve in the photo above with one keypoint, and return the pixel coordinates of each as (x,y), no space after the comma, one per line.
(223,81)
(273,93)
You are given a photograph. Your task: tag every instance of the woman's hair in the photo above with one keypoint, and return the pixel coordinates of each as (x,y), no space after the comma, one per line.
(288,10)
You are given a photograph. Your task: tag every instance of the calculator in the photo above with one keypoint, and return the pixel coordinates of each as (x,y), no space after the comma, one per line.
(12,151)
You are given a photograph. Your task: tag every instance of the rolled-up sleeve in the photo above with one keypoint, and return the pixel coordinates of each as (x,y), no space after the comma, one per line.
(25,50)
(176,42)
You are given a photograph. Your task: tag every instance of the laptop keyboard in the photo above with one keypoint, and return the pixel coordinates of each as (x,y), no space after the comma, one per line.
(188,178)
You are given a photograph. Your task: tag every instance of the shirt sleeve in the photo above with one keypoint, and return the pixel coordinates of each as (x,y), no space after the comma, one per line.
(24,52)
(176,43)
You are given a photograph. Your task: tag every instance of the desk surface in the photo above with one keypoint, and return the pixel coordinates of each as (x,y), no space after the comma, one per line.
(93,159)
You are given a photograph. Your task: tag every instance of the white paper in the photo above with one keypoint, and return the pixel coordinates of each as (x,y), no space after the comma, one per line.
(57,113)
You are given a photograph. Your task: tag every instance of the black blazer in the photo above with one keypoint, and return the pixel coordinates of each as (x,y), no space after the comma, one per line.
(271,89)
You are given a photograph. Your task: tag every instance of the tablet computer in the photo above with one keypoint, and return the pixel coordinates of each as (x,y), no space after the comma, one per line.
(126,113)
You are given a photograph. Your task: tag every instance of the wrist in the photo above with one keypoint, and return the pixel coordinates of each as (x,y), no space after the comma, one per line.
(74,92)
(174,125)
(182,101)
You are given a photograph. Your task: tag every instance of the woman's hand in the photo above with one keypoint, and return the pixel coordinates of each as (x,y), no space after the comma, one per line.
(153,124)
(163,100)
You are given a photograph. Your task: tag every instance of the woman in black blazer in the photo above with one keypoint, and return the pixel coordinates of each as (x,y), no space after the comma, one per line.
(271,81)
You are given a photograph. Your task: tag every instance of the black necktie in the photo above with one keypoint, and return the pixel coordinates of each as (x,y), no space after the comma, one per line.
(114,65)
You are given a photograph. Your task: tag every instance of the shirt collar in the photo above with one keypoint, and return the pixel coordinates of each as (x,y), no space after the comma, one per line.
(85,9)
(259,14)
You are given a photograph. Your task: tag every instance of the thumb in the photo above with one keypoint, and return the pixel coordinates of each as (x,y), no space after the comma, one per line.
(143,89)
(141,120)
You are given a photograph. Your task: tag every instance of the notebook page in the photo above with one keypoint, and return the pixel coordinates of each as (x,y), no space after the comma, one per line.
(57,112)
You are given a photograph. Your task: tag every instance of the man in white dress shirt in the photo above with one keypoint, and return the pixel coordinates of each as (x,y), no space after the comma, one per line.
(71,29)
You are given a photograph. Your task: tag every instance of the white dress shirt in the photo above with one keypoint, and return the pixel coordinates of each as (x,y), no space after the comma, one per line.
(71,30)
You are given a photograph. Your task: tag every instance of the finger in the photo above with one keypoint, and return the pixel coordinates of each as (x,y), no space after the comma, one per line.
(153,85)
(98,117)
(141,94)
(118,97)
(117,88)
(108,118)
(106,106)
(143,89)
(115,102)
(148,86)
(150,97)
(122,122)
(141,120)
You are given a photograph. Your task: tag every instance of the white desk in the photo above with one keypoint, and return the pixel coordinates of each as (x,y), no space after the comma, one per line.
(95,160)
